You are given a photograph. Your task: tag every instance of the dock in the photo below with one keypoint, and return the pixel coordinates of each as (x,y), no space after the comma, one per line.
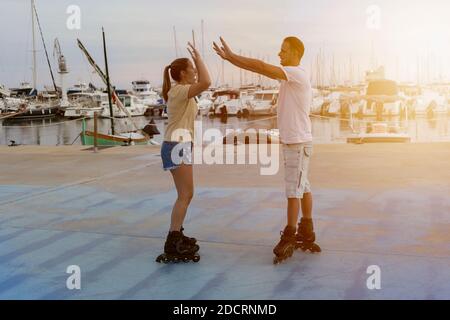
(377,205)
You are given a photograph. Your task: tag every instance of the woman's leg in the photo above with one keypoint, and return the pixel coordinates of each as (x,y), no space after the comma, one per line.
(184,182)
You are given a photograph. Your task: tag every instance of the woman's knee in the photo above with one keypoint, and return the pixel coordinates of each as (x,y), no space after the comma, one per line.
(186,197)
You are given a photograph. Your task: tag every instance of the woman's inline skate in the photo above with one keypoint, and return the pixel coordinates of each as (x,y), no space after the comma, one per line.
(178,249)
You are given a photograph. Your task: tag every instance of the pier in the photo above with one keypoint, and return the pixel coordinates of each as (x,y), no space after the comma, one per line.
(375,205)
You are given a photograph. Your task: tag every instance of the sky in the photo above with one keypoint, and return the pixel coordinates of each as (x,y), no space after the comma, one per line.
(411,38)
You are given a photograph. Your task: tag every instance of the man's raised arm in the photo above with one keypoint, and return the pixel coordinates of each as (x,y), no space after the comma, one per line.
(249,64)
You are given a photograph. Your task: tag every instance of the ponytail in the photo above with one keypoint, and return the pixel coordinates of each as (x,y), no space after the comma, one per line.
(174,71)
(166,84)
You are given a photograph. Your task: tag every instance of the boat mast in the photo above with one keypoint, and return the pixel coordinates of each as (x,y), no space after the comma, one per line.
(108,83)
(103,77)
(34,45)
(240,72)
(203,39)
(176,43)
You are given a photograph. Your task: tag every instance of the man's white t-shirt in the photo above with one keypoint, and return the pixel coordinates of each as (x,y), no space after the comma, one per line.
(294,106)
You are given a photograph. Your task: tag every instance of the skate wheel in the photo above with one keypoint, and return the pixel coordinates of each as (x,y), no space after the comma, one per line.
(316,249)
(162,259)
(185,260)
(176,260)
(196,259)
(290,252)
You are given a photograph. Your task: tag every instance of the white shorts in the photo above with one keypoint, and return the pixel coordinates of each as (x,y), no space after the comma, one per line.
(296,168)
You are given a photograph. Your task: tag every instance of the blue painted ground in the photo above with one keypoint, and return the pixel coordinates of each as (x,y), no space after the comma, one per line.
(115,237)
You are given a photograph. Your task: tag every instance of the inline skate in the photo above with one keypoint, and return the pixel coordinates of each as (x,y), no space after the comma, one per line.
(286,247)
(177,250)
(188,240)
(306,237)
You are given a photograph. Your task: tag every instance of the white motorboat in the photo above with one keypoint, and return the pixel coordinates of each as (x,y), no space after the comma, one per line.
(205,103)
(264,103)
(145,93)
(4,92)
(234,103)
(12,104)
(131,103)
(25,90)
(221,98)
(382,99)
(430,103)
(380,133)
(80,87)
(232,107)
(85,104)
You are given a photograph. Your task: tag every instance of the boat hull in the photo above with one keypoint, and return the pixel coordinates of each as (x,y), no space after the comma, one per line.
(87,139)
(379,139)
(38,113)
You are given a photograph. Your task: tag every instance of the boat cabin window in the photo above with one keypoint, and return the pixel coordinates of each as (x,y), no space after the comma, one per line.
(265,97)
(126,101)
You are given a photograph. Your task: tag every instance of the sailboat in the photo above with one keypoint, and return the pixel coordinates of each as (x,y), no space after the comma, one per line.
(36,106)
(137,137)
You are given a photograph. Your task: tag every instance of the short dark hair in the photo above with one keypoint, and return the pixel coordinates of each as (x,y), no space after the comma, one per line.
(297,45)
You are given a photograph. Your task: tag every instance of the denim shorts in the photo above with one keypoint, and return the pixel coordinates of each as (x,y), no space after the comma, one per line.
(174,154)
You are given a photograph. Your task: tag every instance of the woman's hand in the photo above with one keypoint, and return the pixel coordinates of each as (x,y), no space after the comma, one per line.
(224,51)
(203,78)
(194,52)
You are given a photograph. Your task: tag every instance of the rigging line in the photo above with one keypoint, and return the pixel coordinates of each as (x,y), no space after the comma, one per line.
(45,48)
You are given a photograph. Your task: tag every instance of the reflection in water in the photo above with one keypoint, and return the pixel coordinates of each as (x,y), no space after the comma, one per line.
(58,131)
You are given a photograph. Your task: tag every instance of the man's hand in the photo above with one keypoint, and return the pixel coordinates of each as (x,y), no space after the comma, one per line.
(249,64)
(223,51)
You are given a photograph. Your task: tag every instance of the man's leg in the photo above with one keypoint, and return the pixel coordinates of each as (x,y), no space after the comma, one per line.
(307,205)
(293,211)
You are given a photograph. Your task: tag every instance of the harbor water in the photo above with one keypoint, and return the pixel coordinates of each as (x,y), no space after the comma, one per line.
(326,130)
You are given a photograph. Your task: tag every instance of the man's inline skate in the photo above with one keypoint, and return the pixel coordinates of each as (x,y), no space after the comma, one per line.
(286,247)
(188,240)
(177,249)
(306,237)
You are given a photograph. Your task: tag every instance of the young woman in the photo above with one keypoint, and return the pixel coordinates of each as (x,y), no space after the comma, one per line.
(191,79)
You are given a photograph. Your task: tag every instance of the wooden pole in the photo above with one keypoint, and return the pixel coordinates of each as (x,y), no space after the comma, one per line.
(95,132)
(108,84)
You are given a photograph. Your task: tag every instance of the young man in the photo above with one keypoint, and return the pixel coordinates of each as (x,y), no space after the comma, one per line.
(294,105)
